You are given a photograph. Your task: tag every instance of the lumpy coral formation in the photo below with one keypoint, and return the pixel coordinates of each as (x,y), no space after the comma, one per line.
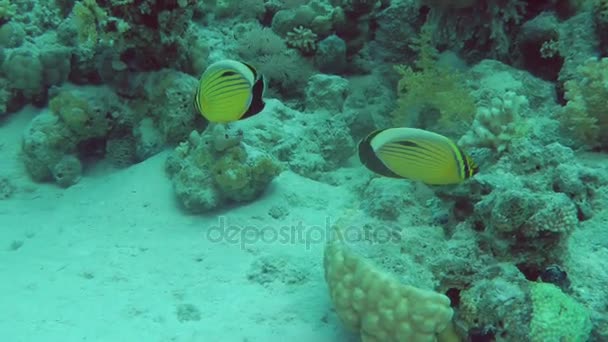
(211,169)
(374,303)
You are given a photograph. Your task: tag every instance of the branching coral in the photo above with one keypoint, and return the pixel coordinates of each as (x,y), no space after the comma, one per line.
(302,39)
(585,115)
(437,88)
(431,86)
(497,124)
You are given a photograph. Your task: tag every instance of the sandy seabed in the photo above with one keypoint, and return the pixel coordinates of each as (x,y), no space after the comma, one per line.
(114,258)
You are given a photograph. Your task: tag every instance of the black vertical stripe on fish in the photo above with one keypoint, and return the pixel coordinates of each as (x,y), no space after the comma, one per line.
(456,158)
(257,99)
(196,99)
(462,160)
(253,71)
(368,157)
(466,170)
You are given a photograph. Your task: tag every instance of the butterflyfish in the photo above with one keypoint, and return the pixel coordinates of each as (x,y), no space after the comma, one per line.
(417,155)
(230,90)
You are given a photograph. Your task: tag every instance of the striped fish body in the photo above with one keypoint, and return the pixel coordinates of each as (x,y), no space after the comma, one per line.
(228,91)
(416,154)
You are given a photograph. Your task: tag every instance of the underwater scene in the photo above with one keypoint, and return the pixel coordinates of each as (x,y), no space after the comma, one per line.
(289,170)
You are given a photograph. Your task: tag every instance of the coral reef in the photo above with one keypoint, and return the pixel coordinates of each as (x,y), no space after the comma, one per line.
(525,226)
(45,142)
(286,70)
(485,25)
(432,87)
(496,125)
(376,305)
(145,34)
(30,70)
(383,203)
(126,131)
(55,141)
(497,305)
(312,144)
(216,168)
(568,320)
(520,84)
(326,93)
(539,45)
(167,99)
(511,308)
(584,115)
(331,55)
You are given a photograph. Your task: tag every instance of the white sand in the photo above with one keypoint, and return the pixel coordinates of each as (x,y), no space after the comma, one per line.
(113,258)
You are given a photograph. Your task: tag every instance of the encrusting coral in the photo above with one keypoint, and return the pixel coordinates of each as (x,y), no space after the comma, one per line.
(525,226)
(506,305)
(556,316)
